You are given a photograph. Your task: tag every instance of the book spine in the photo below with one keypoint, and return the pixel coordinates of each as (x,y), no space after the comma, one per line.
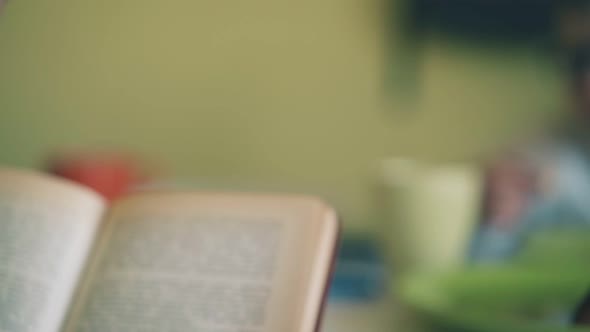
(328,282)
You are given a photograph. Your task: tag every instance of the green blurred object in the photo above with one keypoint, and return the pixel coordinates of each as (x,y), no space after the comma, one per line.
(536,292)
(495,300)
(557,249)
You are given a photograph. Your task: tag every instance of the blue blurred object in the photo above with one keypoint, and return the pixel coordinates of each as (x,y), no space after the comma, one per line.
(360,273)
(560,203)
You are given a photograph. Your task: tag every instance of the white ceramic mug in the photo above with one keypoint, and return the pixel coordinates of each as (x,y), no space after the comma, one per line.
(431,211)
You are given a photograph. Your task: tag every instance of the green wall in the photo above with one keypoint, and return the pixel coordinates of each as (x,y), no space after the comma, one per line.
(271,92)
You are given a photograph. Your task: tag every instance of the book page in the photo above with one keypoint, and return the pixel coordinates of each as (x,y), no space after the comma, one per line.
(204,263)
(46,229)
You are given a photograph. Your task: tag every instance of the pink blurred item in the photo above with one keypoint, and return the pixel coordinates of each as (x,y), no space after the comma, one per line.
(110,174)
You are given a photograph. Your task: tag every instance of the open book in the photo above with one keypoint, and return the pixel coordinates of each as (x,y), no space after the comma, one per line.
(159,262)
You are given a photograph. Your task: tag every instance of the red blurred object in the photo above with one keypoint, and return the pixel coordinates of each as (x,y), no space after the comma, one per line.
(111,175)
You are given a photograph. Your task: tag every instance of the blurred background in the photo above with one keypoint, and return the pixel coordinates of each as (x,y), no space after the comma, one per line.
(434,128)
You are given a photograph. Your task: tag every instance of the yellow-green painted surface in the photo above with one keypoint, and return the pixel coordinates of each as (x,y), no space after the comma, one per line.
(284,92)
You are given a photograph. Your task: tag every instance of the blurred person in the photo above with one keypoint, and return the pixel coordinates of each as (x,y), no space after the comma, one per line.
(543,185)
